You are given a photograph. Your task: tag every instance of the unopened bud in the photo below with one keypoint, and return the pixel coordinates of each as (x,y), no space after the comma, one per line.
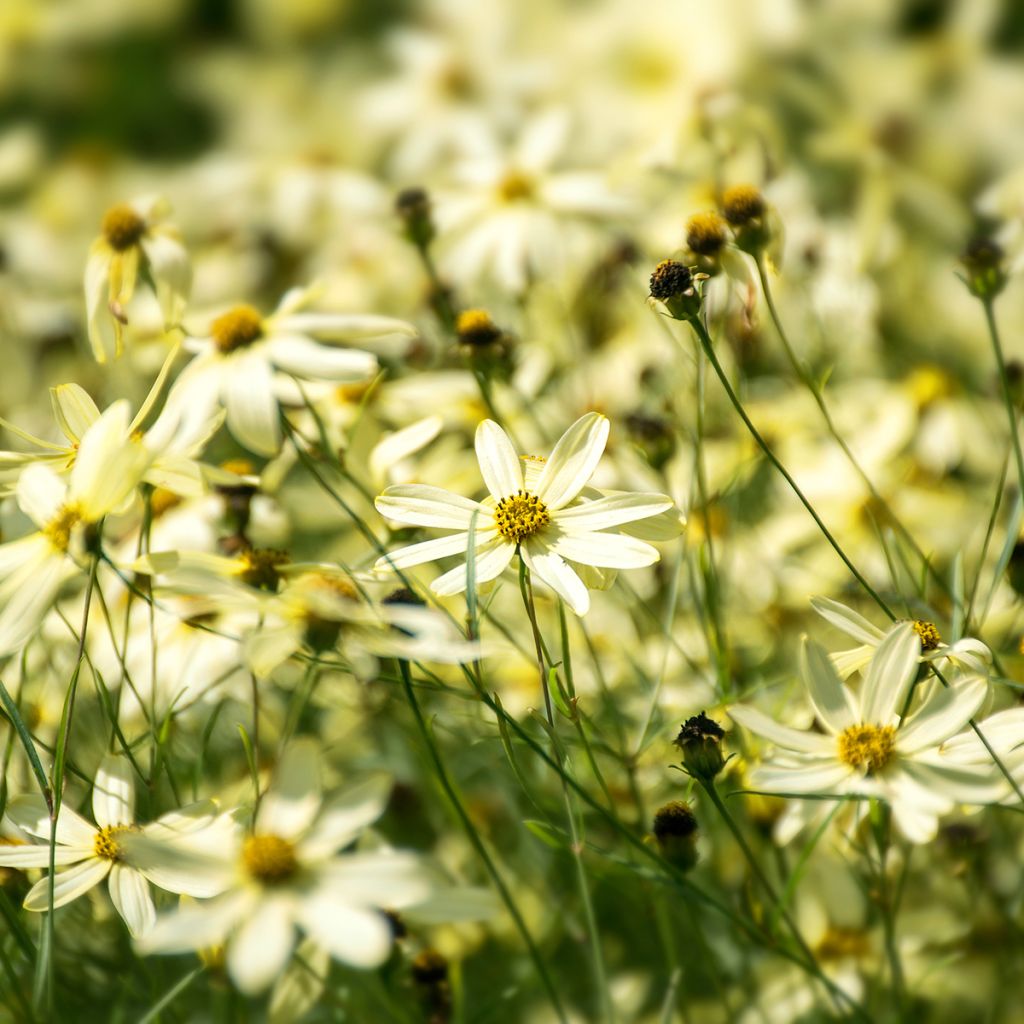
(744,208)
(413,206)
(700,740)
(675,832)
(983,260)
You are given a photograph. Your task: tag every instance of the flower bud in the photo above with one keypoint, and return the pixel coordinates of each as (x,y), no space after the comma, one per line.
(675,832)
(706,237)
(413,206)
(744,208)
(983,261)
(700,740)
(482,342)
(673,285)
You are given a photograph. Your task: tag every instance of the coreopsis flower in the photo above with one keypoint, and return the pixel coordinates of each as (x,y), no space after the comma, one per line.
(967,654)
(133,236)
(245,361)
(543,522)
(94,853)
(287,875)
(883,742)
(109,465)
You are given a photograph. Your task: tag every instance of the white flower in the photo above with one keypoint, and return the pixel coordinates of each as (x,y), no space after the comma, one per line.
(869,748)
(243,362)
(966,653)
(108,466)
(92,853)
(544,522)
(132,234)
(287,875)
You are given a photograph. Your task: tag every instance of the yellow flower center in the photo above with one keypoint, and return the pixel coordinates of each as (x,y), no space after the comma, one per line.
(105,842)
(515,186)
(236,328)
(868,748)
(705,233)
(260,567)
(742,204)
(521,515)
(58,530)
(929,634)
(475,327)
(269,859)
(122,227)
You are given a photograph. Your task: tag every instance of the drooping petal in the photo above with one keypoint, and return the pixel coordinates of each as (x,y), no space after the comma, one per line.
(258,951)
(171,270)
(74,410)
(490,561)
(113,794)
(830,698)
(573,461)
(941,717)
(68,885)
(552,569)
(355,936)
(782,735)
(614,510)
(420,505)
(293,798)
(129,892)
(604,550)
(890,675)
(499,463)
(847,620)
(248,393)
(297,355)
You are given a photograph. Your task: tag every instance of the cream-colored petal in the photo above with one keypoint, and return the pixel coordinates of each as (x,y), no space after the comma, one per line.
(499,463)
(573,461)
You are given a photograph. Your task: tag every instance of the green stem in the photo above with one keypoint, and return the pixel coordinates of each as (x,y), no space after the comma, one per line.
(1011,415)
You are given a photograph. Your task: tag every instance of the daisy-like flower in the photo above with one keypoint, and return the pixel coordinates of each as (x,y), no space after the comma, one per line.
(287,874)
(544,523)
(109,465)
(92,853)
(869,747)
(132,235)
(967,654)
(244,361)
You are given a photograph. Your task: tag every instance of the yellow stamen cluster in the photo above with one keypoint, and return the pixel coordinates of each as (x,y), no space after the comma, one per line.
(475,327)
(236,328)
(260,567)
(521,515)
(122,227)
(868,748)
(58,530)
(269,859)
(929,634)
(705,233)
(162,501)
(514,186)
(105,842)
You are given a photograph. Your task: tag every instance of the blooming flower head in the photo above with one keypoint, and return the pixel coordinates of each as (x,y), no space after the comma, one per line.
(92,853)
(884,742)
(132,236)
(287,874)
(243,363)
(532,509)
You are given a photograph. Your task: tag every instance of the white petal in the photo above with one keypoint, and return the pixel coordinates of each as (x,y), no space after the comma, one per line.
(344,326)
(573,461)
(293,798)
(604,550)
(490,561)
(401,444)
(969,784)
(28,594)
(68,885)
(197,925)
(304,358)
(613,510)
(847,620)
(74,410)
(346,815)
(420,505)
(109,465)
(817,776)
(561,578)
(104,338)
(946,713)
(248,393)
(781,735)
(830,698)
(40,493)
(129,892)
(36,856)
(113,795)
(358,937)
(426,551)
(258,952)
(890,674)
(386,879)
(499,463)
(30,814)
(171,271)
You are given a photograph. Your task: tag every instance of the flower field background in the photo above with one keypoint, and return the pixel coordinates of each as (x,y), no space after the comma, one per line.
(511,511)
